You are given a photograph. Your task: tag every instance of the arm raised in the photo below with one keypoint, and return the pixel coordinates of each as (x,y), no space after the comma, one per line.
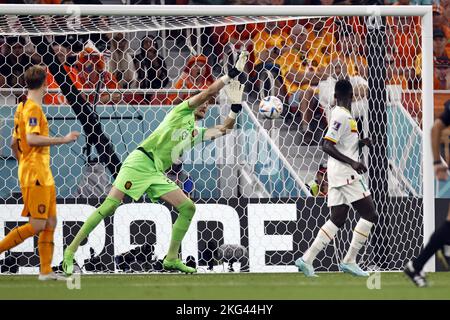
(213,89)
(234,91)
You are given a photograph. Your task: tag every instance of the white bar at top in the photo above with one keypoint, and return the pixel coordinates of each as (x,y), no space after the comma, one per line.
(205,10)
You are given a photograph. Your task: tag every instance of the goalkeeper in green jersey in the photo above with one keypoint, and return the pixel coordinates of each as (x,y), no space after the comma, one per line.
(143,170)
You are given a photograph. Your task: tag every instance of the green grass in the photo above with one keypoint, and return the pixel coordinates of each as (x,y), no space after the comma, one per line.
(225,286)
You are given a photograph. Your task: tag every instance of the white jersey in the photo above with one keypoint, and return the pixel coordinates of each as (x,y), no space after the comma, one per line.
(343,131)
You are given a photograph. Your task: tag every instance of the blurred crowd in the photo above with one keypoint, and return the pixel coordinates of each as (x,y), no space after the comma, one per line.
(301,58)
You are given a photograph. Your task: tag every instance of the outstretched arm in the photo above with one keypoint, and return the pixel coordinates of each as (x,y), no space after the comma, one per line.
(234,92)
(35,140)
(213,89)
(205,95)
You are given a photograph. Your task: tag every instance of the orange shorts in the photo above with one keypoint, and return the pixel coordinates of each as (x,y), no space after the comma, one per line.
(39,202)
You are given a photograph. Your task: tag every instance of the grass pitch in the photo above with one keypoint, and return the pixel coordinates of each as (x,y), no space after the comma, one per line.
(225,286)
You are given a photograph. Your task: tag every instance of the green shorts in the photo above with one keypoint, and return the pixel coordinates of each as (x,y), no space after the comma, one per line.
(138,175)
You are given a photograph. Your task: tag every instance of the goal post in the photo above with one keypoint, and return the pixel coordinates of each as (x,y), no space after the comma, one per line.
(270,214)
(428,119)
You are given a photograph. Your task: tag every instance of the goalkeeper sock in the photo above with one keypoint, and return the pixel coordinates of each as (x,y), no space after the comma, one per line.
(360,235)
(46,245)
(107,208)
(437,240)
(16,236)
(324,236)
(180,227)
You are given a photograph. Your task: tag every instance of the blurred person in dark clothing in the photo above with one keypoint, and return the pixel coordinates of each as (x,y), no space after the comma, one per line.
(14,62)
(150,66)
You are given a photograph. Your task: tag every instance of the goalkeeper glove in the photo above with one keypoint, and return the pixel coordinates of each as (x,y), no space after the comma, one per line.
(234,91)
(238,67)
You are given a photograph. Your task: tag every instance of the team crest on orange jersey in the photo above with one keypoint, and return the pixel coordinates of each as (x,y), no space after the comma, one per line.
(41,208)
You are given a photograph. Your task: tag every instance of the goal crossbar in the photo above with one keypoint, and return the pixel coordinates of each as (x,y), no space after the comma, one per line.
(204,10)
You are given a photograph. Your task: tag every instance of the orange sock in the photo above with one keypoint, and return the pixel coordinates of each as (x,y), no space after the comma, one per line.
(45,245)
(16,236)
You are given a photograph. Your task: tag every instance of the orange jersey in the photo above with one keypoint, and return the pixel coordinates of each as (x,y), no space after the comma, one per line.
(322,43)
(34,162)
(264,40)
(294,61)
(352,62)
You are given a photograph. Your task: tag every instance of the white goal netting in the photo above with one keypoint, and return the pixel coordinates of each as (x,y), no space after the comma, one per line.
(260,191)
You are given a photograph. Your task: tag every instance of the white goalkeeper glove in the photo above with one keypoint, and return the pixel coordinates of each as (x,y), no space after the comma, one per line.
(234,91)
(242,61)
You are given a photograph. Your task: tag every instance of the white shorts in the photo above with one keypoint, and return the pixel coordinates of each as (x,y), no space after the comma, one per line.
(347,193)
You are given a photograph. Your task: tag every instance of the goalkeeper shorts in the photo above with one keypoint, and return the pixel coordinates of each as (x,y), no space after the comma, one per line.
(348,193)
(138,175)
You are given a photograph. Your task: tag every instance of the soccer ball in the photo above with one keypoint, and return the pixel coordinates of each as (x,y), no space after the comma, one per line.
(230,252)
(271,107)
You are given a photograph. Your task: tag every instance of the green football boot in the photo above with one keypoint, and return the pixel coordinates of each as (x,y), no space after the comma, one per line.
(177,265)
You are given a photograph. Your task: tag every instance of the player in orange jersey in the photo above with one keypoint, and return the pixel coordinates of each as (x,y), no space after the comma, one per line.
(31,147)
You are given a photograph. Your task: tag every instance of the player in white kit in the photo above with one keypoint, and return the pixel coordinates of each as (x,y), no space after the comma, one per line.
(346,186)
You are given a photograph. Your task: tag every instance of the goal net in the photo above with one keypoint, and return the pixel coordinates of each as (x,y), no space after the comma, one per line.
(260,191)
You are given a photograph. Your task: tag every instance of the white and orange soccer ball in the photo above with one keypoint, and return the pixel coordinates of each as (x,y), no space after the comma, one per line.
(271,107)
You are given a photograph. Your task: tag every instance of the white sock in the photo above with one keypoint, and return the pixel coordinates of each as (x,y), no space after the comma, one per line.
(324,236)
(360,235)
